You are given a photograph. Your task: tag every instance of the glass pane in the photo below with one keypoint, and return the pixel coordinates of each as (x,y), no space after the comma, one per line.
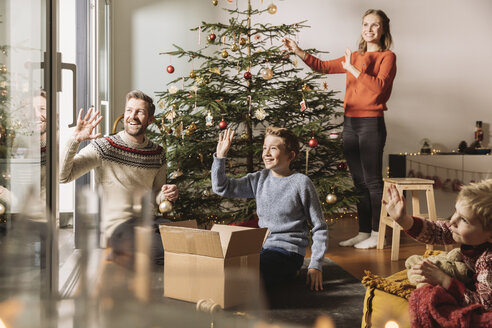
(23,121)
(103,65)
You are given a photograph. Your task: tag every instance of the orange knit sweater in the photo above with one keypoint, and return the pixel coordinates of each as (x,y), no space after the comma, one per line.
(367,95)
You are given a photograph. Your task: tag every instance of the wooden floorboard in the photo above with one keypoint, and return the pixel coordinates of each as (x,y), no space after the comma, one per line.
(355,261)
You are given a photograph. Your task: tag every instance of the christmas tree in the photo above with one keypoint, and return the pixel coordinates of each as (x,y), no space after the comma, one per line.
(243,79)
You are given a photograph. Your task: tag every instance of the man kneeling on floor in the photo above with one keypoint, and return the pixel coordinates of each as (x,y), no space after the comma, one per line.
(125,165)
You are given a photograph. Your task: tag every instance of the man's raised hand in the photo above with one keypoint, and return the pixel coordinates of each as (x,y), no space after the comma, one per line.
(86,124)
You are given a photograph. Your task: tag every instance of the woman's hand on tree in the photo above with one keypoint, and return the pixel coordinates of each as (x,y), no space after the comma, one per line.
(292,46)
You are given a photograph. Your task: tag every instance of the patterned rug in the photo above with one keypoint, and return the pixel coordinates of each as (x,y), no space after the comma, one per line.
(342,299)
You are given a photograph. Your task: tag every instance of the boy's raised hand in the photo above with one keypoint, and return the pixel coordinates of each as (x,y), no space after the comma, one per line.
(397,208)
(225,141)
(396,205)
(315,279)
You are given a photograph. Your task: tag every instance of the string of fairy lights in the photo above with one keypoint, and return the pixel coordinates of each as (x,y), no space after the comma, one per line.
(417,168)
(213,219)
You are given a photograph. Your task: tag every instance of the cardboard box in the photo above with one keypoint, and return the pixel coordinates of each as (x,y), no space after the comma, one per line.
(221,264)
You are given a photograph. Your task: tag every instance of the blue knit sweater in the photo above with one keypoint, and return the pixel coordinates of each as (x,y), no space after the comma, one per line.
(284,205)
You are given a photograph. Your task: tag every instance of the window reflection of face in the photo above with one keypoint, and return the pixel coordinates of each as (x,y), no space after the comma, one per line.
(39,104)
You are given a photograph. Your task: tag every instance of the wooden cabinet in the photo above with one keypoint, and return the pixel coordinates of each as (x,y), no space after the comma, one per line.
(448,171)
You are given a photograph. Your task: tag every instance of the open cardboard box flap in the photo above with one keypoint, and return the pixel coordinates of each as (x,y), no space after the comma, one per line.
(191,241)
(222,241)
(239,241)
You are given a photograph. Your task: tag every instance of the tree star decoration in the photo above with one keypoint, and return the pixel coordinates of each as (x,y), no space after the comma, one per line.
(260,114)
(171,115)
(173,89)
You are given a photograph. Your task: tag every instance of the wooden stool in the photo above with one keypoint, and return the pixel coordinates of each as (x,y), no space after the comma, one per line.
(414,185)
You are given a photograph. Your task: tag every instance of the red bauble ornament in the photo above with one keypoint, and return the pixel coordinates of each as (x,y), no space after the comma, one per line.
(212,37)
(222,125)
(170,69)
(342,166)
(313,143)
(247,75)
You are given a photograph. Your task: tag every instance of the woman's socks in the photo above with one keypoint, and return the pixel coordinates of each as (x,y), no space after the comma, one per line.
(370,242)
(355,240)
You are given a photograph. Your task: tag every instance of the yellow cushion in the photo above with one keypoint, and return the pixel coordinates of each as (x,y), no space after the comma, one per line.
(387,298)
(381,307)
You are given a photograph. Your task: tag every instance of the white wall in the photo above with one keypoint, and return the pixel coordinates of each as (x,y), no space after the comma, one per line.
(443,48)
(143,29)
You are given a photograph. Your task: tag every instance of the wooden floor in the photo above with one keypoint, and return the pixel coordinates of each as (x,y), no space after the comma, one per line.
(355,261)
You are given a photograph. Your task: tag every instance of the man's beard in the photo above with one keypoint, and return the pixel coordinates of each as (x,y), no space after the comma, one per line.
(139,132)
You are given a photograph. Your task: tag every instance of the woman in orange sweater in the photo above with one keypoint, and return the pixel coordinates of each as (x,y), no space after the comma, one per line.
(370,74)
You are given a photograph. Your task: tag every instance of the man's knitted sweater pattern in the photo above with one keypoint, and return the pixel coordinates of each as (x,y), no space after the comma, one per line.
(125,170)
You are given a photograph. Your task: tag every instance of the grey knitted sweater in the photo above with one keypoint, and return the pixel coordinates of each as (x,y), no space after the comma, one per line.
(284,205)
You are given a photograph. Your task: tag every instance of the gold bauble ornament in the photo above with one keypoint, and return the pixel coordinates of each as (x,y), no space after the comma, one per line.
(224,54)
(191,129)
(306,88)
(192,74)
(215,2)
(242,41)
(234,47)
(2,209)
(272,9)
(331,198)
(266,73)
(165,207)
(244,136)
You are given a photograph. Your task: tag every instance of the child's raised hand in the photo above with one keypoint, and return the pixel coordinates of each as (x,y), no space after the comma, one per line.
(225,141)
(397,208)
(396,205)
(431,274)
(315,279)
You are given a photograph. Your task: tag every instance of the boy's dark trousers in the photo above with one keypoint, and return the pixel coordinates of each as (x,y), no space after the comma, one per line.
(278,266)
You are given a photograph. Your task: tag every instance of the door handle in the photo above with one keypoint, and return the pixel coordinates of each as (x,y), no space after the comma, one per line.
(105,103)
(73,68)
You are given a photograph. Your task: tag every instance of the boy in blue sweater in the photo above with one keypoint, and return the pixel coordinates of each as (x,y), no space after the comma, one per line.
(286,202)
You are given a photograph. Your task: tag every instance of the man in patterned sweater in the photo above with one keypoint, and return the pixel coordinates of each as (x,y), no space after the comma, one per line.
(126,166)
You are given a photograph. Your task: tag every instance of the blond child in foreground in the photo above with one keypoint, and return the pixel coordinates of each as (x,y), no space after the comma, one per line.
(470,226)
